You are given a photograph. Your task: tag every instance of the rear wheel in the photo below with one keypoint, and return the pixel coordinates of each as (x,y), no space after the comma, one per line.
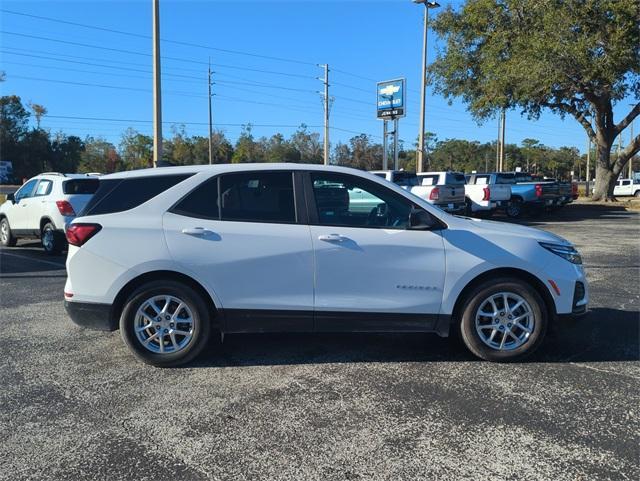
(52,240)
(165,323)
(503,320)
(515,209)
(6,237)
(637,193)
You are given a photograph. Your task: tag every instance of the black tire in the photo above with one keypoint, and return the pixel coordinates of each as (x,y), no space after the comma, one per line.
(200,316)
(7,239)
(637,193)
(52,241)
(473,302)
(515,209)
(468,210)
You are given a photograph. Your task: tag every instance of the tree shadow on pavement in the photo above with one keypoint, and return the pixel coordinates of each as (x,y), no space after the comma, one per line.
(603,335)
(573,213)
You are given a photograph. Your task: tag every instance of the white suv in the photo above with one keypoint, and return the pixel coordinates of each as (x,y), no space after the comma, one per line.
(43,207)
(171,254)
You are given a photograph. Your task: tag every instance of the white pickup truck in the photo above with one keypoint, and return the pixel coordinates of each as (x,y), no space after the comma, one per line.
(442,189)
(627,187)
(485,193)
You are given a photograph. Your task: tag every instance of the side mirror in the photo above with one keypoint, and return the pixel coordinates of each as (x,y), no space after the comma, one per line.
(11,198)
(421,220)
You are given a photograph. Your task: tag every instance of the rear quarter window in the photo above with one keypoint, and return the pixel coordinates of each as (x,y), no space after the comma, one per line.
(80,186)
(119,195)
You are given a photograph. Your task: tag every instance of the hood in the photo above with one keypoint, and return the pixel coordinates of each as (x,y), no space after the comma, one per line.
(490,228)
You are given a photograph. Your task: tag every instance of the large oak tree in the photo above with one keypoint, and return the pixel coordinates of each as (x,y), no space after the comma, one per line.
(573,57)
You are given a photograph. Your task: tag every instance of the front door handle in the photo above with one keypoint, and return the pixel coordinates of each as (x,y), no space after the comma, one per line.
(195,231)
(331,238)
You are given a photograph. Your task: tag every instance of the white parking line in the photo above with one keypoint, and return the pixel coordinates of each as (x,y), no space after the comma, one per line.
(51,263)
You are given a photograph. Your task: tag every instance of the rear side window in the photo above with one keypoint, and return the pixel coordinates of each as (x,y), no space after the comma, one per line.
(118,195)
(202,202)
(455,179)
(258,197)
(429,179)
(482,180)
(44,188)
(505,179)
(80,186)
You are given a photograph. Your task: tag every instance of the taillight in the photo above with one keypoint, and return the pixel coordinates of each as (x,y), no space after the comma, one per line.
(435,194)
(79,234)
(538,190)
(65,207)
(486,193)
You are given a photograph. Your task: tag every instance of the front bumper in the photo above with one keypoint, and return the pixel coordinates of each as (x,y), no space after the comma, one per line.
(91,315)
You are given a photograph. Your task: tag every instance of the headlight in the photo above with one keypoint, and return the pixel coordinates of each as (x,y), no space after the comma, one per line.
(567,252)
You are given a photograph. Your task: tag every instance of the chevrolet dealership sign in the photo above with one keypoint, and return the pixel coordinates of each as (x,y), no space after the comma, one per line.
(390,99)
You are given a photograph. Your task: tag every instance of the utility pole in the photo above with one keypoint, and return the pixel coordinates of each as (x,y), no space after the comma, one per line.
(157,98)
(428,4)
(209,83)
(385,153)
(498,145)
(326,112)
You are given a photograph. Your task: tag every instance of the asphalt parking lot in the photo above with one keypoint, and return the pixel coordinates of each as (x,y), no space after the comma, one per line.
(76,405)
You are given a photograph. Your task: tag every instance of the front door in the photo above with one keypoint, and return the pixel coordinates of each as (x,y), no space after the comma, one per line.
(238,233)
(22,210)
(372,273)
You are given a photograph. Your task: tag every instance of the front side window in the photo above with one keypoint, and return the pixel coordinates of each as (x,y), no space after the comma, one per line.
(26,190)
(44,188)
(258,197)
(345,200)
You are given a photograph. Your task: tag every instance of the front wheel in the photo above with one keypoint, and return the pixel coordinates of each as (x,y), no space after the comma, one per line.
(6,236)
(165,323)
(503,320)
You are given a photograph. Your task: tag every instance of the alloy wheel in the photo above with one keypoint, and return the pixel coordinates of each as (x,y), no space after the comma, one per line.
(504,321)
(164,324)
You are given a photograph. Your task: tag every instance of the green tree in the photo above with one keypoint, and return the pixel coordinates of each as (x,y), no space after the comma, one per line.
(573,57)
(277,149)
(136,150)
(247,149)
(99,156)
(308,145)
(66,153)
(14,120)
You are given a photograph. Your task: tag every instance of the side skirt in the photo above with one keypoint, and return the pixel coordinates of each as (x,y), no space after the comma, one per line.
(259,320)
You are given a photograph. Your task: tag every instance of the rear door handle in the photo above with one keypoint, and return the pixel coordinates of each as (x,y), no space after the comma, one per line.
(331,238)
(195,231)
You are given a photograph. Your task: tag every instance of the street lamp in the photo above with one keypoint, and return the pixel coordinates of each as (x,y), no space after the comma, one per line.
(420,151)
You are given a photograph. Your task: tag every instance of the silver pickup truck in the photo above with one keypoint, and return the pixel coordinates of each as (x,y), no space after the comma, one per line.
(442,189)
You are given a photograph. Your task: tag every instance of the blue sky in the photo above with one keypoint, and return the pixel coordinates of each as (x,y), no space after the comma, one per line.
(265,60)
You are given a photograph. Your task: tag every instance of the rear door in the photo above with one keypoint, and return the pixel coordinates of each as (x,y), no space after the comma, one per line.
(243,236)
(372,273)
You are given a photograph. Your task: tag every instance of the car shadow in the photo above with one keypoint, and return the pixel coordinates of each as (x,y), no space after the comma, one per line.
(29,258)
(603,335)
(572,213)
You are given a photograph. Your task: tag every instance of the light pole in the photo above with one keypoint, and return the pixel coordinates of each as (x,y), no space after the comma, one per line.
(157,98)
(428,4)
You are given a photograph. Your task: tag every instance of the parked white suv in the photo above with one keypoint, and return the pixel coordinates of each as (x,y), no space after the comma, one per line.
(169,255)
(42,208)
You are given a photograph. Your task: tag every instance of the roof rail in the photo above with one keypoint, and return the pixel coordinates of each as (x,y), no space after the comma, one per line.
(53,173)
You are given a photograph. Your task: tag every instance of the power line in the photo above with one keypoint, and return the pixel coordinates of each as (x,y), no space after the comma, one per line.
(177,42)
